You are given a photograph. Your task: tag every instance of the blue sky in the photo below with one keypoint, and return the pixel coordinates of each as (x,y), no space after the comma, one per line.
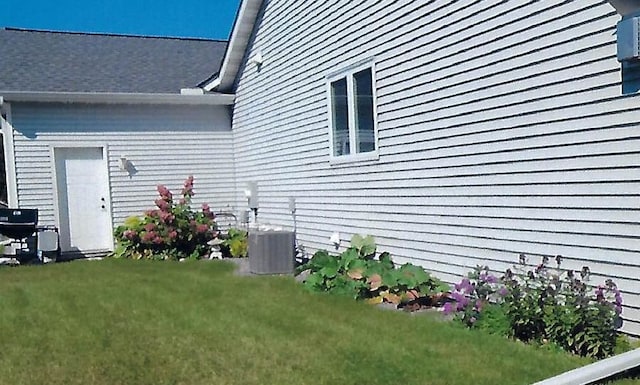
(211,19)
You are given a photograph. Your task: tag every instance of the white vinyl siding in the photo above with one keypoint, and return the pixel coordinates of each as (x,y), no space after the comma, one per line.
(164,144)
(502,130)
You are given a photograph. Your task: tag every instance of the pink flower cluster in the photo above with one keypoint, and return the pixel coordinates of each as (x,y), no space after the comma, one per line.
(165,194)
(152,237)
(206,210)
(172,228)
(187,190)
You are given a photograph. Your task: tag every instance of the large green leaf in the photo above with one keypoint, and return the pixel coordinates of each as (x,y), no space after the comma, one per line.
(412,276)
(358,264)
(391,278)
(346,287)
(385,260)
(330,271)
(366,246)
(315,281)
(320,259)
(347,258)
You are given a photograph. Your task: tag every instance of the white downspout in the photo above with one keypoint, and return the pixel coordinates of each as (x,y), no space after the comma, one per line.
(596,371)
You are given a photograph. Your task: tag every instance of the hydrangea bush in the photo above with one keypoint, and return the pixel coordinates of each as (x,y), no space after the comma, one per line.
(171,231)
(544,305)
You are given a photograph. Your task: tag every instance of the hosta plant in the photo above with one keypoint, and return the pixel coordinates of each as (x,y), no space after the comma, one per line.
(171,231)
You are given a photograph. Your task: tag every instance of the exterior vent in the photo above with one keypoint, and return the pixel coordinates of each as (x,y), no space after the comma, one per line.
(628,33)
(271,252)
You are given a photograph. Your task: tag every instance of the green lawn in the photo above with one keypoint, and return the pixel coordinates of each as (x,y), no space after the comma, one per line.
(133,322)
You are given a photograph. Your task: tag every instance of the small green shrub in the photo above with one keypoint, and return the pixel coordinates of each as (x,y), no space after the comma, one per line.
(358,274)
(172,231)
(236,244)
(494,320)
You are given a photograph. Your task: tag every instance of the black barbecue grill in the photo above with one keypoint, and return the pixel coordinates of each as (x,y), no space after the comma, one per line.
(18,223)
(21,226)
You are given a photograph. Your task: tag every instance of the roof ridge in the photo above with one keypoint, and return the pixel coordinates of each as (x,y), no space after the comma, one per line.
(17,29)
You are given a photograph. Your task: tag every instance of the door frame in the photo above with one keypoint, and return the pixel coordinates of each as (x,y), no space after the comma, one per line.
(54,175)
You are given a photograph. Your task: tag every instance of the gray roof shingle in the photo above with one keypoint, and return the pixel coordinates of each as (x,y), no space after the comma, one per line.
(81,62)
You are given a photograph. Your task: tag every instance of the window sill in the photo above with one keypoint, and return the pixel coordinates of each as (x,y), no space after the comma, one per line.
(355,158)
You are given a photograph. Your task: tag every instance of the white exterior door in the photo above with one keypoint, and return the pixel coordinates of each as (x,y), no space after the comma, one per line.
(83,199)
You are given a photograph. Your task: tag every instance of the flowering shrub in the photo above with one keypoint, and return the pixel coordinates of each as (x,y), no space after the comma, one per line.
(559,307)
(171,231)
(548,306)
(473,294)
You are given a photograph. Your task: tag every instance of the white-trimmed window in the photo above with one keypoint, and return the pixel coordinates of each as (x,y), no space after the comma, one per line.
(352,113)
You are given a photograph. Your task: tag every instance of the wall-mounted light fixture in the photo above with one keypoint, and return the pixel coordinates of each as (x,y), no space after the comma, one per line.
(257,59)
(335,239)
(123,163)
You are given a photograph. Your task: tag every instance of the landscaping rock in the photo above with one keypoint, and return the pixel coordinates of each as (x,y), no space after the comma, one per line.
(387,306)
(303,276)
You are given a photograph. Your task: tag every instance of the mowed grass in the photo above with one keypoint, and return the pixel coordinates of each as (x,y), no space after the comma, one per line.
(133,322)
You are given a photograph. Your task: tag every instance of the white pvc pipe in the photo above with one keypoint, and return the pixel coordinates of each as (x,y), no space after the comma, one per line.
(596,371)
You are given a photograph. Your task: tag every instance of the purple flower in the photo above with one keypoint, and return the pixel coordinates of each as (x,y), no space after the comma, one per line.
(464,286)
(600,293)
(456,296)
(479,305)
(448,308)
(503,292)
(618,298)
(489,278)
(460,299)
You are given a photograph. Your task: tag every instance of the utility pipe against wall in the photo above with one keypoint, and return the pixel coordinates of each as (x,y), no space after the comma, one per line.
(596,371)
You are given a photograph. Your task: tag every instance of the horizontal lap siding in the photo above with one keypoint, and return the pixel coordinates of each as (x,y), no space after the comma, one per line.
(502,131)
(164,144)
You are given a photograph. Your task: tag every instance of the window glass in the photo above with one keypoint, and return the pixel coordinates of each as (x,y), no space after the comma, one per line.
(364,126)
(340,117)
